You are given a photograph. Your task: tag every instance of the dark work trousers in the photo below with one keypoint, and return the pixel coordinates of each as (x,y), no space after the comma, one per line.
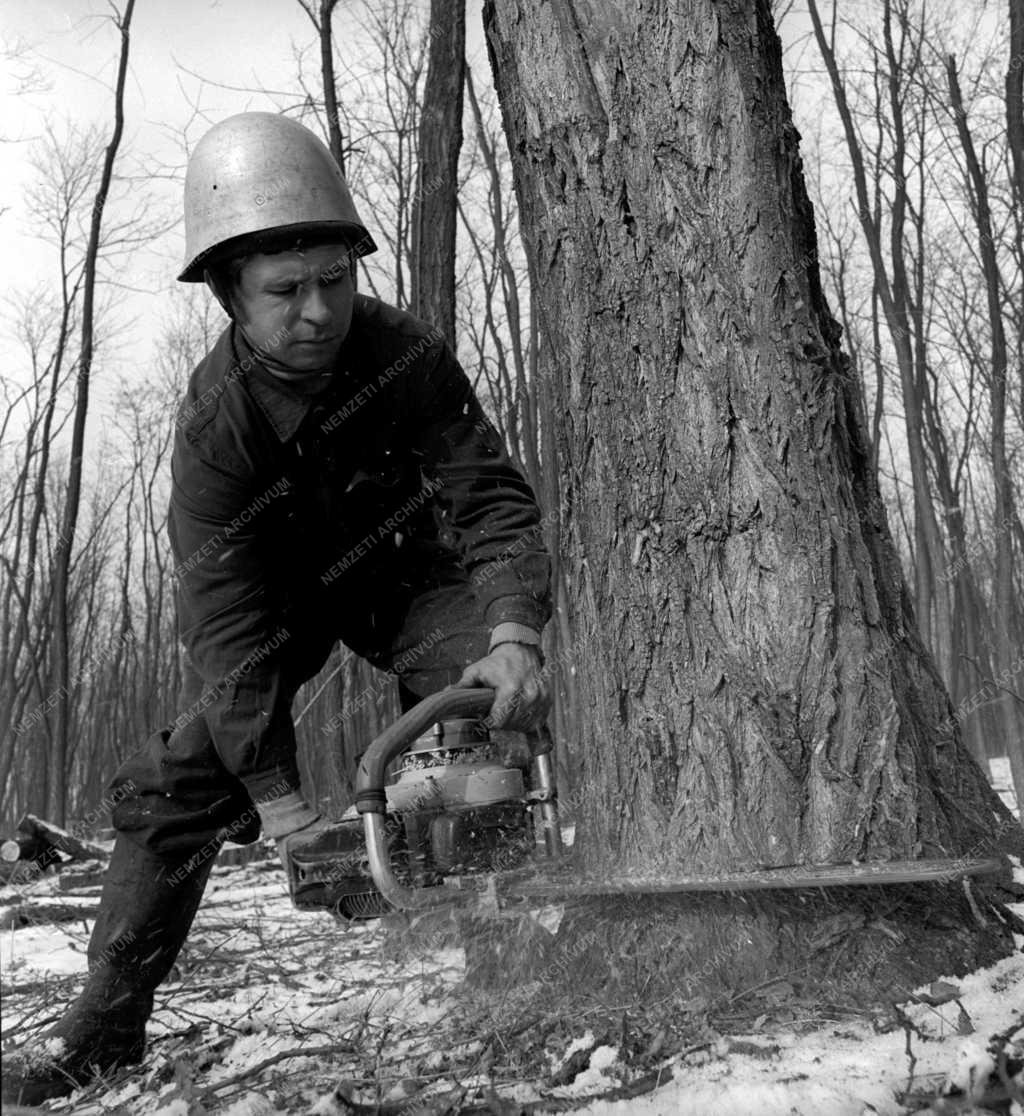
(176,798)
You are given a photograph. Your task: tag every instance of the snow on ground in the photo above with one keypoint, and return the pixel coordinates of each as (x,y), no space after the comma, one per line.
(257,979)
(847,1071)
(321,1003)
(1001,778)
(42,950)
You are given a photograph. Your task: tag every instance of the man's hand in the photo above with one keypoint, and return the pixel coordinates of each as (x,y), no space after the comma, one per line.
(521,698)
(292,823)
(302,840)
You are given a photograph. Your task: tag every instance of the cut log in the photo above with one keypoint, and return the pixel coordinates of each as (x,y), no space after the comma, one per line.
(81,876)
(60,839)
(29,848)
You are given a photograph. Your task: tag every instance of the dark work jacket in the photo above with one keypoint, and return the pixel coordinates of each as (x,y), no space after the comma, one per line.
(288,509)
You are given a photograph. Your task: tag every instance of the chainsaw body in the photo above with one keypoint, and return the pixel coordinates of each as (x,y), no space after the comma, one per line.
(456,804)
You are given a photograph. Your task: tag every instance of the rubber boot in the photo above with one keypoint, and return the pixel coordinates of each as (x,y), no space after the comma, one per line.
(146,910)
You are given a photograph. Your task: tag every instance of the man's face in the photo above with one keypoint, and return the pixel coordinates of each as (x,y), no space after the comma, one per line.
(296,306)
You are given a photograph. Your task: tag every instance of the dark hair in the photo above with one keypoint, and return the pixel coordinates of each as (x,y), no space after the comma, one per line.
(232,256)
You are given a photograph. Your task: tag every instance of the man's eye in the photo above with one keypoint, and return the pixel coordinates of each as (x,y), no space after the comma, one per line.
(291,289)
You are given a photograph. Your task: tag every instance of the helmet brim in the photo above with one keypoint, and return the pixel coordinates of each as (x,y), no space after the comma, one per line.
(308,234)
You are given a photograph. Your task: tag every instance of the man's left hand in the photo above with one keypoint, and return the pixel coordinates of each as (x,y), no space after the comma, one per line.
(521,698)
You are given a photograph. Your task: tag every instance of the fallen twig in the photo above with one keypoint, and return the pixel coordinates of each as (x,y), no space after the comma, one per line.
(273,1060)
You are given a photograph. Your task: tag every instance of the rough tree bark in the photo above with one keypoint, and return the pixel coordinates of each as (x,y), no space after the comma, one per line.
(753,689)
(434,213)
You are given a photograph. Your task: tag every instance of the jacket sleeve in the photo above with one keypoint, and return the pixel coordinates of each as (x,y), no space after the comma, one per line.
(227,622)
(486,502)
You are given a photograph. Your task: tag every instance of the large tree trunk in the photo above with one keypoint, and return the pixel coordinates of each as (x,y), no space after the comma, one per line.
(753,690)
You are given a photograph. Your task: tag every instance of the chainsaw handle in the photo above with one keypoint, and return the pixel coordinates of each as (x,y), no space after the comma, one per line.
(370,797)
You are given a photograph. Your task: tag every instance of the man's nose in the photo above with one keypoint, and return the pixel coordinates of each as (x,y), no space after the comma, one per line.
(315,307)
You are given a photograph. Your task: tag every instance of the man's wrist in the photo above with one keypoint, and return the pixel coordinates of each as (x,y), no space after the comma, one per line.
(286,814)
(511,632)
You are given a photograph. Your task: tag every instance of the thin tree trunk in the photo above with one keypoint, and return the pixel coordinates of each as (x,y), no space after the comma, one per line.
(66,539)
(932,607)
(1015,141)
(1011,705)
(330,88)
(432,271)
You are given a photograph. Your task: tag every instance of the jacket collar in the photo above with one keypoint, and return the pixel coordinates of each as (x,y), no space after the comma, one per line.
(283,407)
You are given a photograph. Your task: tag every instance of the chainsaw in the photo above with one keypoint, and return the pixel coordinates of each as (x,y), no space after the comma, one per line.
(442,818)
(440,807)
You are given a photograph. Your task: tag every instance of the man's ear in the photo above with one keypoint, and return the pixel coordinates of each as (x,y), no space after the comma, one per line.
(220,291)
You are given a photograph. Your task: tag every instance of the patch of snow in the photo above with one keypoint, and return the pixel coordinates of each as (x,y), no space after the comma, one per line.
(549,918)
(118,1099)
(595,1077)
(253,1105)
(329,1105)
(248,1049)
(936,1022)
(41,951)
(247,892)
(836,1072)
(583,1042)
(971,1067)
(177,1107)
(604,1057)
(1001,778)
(53,1048)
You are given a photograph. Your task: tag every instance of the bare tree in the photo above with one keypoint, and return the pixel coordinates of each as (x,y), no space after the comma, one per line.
(66,539)
(915,197)
(320,16)
(1008,613)
(901,305)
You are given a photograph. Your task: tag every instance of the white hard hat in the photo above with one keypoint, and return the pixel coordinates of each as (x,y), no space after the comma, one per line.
(260,173)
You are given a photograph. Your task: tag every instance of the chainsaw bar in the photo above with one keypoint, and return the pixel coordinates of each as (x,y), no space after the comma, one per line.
(760,879)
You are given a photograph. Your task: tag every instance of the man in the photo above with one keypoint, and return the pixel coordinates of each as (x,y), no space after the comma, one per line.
(333,477)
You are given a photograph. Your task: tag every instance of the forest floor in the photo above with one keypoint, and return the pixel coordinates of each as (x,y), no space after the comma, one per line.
(272,1010)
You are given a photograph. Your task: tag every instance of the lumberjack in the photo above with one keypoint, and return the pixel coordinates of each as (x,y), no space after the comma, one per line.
(333,478)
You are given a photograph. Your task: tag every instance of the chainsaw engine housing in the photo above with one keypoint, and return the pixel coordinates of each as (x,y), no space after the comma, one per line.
(456,806)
